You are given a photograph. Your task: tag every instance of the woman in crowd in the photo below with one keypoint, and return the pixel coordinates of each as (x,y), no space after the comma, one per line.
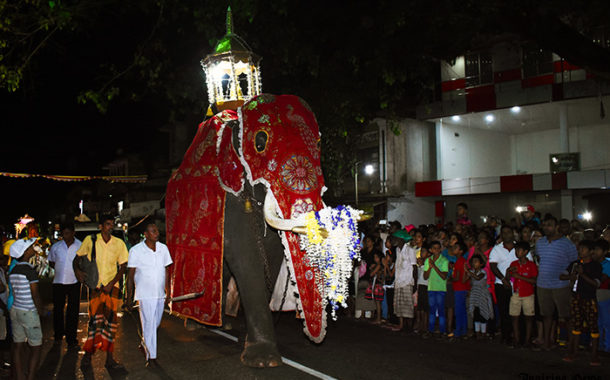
(363,305)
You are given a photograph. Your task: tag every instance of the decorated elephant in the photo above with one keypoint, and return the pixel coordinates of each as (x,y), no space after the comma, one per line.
(234,207)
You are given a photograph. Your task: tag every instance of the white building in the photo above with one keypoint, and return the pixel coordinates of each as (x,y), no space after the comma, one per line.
(499,137)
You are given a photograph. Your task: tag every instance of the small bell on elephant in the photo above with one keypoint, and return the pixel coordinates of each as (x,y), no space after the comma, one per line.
(248,206)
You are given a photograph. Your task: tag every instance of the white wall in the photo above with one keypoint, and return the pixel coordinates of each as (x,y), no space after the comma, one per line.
(593,143)
(474,153)
(411,210)
(531,150)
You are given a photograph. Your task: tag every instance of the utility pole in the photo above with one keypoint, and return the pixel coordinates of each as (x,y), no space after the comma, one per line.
(356,180)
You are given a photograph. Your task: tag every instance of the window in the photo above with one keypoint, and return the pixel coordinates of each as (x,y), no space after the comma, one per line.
(536,61)
(601,36)
(478,69)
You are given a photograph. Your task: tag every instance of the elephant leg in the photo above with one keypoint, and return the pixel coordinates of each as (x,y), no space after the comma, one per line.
(228,299)
(243,257)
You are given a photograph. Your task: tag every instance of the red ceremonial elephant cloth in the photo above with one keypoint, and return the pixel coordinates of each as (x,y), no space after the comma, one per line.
(195,219)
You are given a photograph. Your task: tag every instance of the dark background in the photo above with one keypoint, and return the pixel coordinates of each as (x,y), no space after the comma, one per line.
(107,78)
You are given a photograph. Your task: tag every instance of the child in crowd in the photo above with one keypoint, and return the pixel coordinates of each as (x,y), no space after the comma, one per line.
(376,292)
(461,286)
(363,305)
(421,324)
(470,241)
(480,299)
(26,309)
(483,248)
(418,241)
(448,254)
(389,267)
(462,214)
(600,249)
(522,272)
(585,276)
(441,236)
(436,269)
(526,234)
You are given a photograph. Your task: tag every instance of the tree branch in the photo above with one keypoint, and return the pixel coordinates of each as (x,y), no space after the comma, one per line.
(138,52)
(27,60)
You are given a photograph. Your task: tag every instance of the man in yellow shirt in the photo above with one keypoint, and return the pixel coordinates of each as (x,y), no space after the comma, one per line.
(110,253)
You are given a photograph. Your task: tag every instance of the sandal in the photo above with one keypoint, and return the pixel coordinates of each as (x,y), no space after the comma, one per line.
(551,348)
(568,359)
(113,365)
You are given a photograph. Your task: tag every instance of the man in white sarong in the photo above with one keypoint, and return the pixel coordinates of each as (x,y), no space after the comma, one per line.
(148,262)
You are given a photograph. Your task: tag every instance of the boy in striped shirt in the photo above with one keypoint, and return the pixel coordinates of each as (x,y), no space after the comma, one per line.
(26,309)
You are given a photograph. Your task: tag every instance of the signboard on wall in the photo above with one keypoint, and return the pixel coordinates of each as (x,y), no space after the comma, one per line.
(139,209)
(564,162)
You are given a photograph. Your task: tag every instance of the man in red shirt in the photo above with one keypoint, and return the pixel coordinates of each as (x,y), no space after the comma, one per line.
(522,273)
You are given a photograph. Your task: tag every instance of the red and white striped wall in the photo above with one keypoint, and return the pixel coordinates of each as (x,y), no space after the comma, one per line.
(506,83)
(587,179)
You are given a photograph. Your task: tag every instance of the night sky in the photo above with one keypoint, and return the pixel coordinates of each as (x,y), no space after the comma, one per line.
(46,131)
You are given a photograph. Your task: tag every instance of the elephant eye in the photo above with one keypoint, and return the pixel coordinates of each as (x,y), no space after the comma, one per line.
(260,141)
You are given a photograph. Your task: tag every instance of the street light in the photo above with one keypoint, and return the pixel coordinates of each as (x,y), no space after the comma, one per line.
(356,180)
(368,170)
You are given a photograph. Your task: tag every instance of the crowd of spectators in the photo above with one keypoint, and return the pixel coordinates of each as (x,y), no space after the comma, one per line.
(533,282)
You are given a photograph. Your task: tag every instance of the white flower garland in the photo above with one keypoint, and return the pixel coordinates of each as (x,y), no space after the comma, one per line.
(332,257)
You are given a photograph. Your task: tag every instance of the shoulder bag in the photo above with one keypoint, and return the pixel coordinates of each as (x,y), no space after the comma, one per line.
(90,266)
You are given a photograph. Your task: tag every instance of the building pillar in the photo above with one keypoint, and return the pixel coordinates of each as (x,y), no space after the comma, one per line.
(564,130)
(383,158)
(439,156)
(567,205)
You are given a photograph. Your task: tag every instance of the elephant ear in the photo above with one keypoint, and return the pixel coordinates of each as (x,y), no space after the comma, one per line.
(230,169)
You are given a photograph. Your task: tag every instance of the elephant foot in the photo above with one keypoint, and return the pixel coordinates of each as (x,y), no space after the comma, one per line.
(227,326)
(261,355)
(190,325)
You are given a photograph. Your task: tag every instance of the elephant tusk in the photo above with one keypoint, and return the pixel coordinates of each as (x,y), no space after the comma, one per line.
(303,230)
(274,220)
(300,230)
(364,216)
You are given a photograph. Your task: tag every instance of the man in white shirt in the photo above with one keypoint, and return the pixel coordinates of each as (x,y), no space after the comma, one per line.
(65,285)
(405,276)
(147,266)
(500,258)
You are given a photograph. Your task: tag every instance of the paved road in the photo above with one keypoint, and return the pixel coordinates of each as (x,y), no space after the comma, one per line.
(352,350)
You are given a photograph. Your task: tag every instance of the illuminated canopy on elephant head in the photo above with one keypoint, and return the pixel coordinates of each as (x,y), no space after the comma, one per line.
(232,71)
